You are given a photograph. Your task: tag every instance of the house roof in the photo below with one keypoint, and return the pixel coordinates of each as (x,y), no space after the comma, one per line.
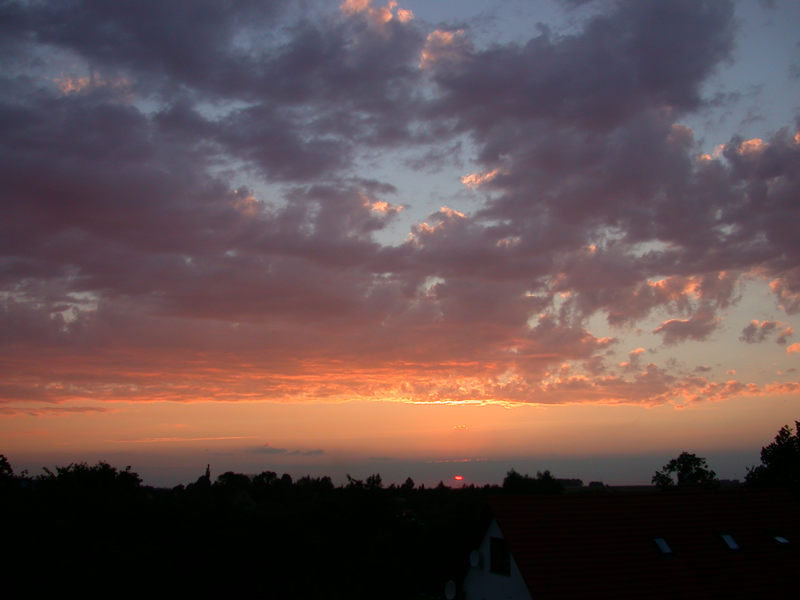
(604,545)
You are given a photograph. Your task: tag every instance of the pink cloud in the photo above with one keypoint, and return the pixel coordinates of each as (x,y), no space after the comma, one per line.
(697,327)
(228,241)
(50,411)
(759,331)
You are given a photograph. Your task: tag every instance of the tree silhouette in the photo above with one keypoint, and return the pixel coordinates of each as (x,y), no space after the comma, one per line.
(780,461)
(691,471)
(543,483)
(7,478)
(265,478)
(6,472)
(100,476)
(233,481)
(374,482)
(353,483)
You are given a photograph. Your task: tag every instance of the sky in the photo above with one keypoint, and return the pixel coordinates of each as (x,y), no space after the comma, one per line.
(415,238)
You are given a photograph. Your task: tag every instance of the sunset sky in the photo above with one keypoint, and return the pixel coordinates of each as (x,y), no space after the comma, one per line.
(419,238)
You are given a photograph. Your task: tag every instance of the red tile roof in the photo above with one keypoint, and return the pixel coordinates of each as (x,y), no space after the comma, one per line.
(602,545)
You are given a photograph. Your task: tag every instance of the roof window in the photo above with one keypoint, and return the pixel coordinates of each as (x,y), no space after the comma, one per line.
(662,545)
(780,539)
(728,539)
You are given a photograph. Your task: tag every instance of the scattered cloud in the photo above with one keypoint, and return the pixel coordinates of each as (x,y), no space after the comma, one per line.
(207,209)
(383,14)
(697,327)
(758,331)
(474,180)
(267,449)
(634,360)
(180,439)
(49,411)
(442,46)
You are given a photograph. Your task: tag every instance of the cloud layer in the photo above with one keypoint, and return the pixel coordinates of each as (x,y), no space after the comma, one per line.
(191,210)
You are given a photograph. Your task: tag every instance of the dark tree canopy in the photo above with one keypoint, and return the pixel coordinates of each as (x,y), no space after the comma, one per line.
(543,483)
(374,482)
(5,467)
(208,538)
(691,471)
(99,476)
(780,461)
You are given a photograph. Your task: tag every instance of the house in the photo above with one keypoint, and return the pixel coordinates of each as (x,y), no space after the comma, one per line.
(677,545)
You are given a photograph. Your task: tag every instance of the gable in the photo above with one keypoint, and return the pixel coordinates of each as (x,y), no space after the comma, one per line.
(493,571)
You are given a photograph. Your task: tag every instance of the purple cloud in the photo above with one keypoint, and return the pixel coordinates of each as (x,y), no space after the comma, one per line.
(697,327)
(191,202)
(757,331)
(267,449)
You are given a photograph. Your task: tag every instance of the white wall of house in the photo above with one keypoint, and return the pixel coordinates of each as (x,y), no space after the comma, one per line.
(481,584)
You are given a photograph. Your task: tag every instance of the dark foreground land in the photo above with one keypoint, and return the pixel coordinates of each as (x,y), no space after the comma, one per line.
(98,530)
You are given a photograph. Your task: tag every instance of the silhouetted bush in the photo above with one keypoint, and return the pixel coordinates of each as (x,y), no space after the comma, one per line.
(543,483)
(780,461)
(691,471)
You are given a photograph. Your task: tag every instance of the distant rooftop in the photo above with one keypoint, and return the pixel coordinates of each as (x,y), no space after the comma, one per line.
(726,544)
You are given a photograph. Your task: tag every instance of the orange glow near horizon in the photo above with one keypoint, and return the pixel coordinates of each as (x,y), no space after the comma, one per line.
(306,433)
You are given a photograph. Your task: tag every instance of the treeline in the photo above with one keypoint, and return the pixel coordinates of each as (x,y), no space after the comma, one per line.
(266,535)
(780,467)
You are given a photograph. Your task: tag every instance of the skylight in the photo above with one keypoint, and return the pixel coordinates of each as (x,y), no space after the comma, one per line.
(780,539)
(662,545)
(728,539)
